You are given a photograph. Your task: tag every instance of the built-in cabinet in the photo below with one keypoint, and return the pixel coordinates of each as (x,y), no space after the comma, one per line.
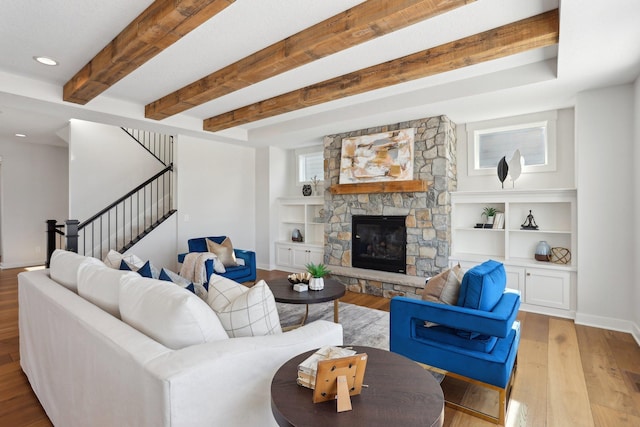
(546,287)
(306,215)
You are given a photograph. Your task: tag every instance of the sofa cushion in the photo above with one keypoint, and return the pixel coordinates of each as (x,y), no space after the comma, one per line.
(100,285)
(445,335)
(244,311)
(169,314)
(224,251)
(483,286)
(113,259)
(63,268)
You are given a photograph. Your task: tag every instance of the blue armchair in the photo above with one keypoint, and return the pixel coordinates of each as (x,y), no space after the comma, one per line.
(476,340)
(241,273)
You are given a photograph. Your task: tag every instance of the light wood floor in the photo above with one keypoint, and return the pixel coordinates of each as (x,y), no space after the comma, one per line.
(568,375)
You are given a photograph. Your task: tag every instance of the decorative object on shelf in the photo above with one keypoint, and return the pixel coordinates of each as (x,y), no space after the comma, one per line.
(543,251)
(296,236)
(503,170)
(317,271)
(529,223)
(315,181)
(489,213)
(515,166)
(306,190)
(560,255)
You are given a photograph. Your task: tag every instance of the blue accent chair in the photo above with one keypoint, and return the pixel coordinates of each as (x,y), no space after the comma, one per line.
(241,273)
(476,340)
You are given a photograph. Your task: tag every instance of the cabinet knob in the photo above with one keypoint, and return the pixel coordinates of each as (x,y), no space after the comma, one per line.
(528,274)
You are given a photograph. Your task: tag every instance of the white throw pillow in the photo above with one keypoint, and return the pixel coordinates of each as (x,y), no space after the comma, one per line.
(100,285)
(63,268)
(244,312)
(167,313)
(113,259)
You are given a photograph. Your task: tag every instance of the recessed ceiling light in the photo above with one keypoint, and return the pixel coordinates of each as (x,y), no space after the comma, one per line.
(21,135)
(45,60)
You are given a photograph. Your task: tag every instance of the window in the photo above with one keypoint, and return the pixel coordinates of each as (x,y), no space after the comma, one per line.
(310,164)
(533,135)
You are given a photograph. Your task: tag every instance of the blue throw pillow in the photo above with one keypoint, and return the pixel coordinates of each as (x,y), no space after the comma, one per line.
(170,276)
(147,270)
(124,266)
(483,286)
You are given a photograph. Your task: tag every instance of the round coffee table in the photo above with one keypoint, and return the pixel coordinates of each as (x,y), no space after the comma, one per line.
(283,291)
(399,392)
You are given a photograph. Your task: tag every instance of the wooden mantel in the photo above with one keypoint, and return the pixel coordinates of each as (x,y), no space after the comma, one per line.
(380,187)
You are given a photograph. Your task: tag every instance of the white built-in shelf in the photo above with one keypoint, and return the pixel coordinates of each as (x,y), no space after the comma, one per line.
(546,287)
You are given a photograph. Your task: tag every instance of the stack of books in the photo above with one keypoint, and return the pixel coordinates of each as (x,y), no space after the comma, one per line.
(308,368)
(498,220)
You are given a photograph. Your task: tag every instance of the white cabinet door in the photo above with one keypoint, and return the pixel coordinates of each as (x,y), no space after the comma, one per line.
(316,255)
(284,255)
(548,288)
(516,279)
(300,257)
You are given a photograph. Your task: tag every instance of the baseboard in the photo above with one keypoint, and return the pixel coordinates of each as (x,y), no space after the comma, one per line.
(6,266)
(635,332)
(608,323)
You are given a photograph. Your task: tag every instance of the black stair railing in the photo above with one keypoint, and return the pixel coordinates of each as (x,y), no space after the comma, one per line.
(124,222)
(121,224)
(158,145)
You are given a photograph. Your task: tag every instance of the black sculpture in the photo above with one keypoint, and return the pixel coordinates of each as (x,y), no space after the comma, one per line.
(529,223)
(503,170)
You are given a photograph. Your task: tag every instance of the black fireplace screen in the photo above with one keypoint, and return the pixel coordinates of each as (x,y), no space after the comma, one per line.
(379,242)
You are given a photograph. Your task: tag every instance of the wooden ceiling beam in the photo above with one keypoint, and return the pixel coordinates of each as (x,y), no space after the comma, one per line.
(359,24)
(531,33)
(163,23)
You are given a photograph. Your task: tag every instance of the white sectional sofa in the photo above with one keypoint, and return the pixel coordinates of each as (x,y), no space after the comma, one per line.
(89,368)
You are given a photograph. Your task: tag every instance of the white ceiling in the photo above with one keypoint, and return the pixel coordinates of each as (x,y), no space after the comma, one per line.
(599,46)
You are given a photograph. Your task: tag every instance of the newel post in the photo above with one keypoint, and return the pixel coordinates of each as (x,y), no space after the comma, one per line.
(51,239)
(72,235)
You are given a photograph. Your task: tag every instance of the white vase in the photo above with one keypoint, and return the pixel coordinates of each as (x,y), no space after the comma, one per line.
(316,283)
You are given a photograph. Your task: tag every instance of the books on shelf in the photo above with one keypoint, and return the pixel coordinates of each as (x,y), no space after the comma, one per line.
(308,368)
(498,220)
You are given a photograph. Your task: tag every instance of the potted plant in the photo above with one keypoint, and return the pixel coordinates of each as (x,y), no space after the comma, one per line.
(317,271)
(489,213)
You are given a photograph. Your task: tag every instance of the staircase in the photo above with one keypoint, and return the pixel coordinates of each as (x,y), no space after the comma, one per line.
(123,223)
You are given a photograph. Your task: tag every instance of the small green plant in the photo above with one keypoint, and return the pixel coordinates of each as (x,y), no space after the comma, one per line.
(489,211)
(317,270)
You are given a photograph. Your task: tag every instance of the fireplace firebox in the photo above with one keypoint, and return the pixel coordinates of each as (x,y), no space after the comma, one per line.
(379,242)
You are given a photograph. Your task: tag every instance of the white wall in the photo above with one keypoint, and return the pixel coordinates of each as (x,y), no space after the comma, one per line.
(562,177)
(636,197)
(33,189)
(271,172)
(606,196)
(216,191)
(160,246)
(105,164)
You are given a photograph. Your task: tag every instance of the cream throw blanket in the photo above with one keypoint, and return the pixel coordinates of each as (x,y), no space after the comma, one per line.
(193,266)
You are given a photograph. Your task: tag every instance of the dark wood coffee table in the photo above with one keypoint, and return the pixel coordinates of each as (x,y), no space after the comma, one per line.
(283,291)
(399,392)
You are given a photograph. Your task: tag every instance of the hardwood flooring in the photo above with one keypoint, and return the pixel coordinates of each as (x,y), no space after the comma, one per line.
(568,375)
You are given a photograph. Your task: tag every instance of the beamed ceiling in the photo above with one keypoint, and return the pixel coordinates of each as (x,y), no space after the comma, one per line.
(261,72)
(165,22)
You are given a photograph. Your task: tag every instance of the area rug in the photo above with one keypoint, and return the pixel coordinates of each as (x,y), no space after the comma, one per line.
(361,325)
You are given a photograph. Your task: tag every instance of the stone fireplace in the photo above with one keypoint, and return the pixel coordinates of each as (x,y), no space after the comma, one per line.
(427,213)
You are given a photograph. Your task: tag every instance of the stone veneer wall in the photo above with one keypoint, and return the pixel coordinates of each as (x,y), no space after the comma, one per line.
(428,213)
